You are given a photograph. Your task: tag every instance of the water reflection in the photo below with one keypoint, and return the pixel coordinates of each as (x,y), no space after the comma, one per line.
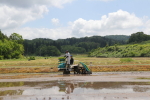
(10,84)
(140,89)
(11,92)
(61,89)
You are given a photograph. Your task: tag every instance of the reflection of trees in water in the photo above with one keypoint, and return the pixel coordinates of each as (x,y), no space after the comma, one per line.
(110,85)
(69,86)
(30,84)
(64,86)
(11,84)
(140,89)
(11,92)
(44,84)
(101,85)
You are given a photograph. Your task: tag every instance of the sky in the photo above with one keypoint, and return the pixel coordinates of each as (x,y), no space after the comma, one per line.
(61,19)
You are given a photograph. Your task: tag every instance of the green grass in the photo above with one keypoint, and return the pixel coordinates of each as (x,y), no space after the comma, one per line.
(53,61)
(40,64)
(143,78)
(126,60)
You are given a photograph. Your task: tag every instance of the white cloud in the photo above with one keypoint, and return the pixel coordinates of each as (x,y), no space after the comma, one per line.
(15,13)
(147,27)
(55,21)
(12,17)
(32,33)
(115,23)
(30,3)
(120,22)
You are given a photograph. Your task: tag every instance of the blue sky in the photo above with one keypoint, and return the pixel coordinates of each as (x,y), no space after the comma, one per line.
(60,19)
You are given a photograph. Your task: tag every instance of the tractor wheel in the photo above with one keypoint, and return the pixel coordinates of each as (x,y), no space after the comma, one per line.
(66,72)
(76,70)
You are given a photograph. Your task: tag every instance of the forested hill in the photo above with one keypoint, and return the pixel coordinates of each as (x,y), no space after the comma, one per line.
(49,47)
(123,38)
(14,46)
(138,46)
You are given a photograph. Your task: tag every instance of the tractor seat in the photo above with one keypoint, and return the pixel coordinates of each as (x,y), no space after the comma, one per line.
(72,66)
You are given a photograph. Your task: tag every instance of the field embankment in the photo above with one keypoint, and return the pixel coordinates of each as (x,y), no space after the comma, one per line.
(42,65)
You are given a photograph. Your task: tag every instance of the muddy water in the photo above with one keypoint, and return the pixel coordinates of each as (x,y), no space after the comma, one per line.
(74,90)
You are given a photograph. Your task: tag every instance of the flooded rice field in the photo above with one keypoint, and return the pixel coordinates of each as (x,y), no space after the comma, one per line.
(99,86)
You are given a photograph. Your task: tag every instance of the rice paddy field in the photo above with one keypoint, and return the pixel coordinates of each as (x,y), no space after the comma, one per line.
(49,64)
(39,79)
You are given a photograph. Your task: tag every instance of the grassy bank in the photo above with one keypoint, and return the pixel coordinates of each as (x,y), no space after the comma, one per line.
(42,65)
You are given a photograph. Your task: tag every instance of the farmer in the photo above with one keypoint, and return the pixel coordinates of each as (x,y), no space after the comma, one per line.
(67,55)
(71,60)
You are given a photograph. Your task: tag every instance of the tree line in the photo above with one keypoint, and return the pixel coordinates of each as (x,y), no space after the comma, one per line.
(11,47)
(49,47)
(14,46)
(138,37)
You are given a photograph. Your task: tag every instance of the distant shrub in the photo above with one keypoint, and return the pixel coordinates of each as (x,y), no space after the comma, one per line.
(126,60)
(1,57)
(32,58)
(141,48)
(110,49)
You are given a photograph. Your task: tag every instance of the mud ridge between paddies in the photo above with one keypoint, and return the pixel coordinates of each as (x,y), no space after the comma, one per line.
(94,68)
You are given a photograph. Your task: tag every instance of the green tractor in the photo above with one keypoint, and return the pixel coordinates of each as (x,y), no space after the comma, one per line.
(80,68)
